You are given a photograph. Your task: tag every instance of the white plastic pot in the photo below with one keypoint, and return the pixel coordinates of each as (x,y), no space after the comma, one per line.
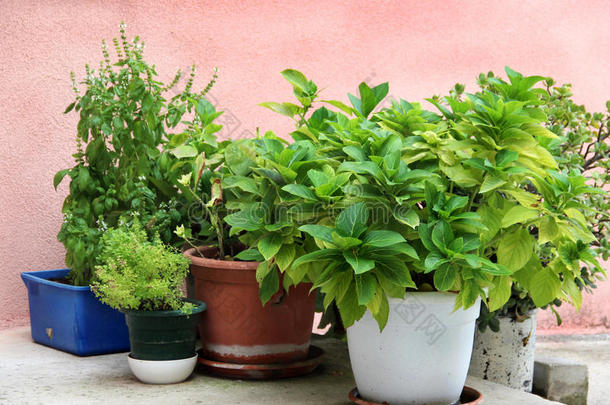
(162,371)
(506,357)
(422,355)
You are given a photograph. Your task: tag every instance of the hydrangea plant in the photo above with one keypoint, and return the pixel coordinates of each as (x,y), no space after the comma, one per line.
(580,147)
(469,200)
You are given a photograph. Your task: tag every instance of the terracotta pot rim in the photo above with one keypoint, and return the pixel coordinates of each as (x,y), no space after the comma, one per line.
(217,264)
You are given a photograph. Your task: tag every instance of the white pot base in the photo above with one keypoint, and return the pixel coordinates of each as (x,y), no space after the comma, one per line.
(162,371)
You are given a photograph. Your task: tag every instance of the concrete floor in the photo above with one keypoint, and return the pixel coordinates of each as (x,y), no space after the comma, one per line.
(592,350)
(35,374)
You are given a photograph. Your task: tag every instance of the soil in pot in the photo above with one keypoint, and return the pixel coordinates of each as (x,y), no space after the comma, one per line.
(236,328)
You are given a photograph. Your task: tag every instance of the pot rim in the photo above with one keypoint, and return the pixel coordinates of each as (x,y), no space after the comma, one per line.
(200,307)
(218,264)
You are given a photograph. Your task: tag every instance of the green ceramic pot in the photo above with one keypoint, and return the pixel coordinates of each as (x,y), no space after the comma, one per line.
(163,335)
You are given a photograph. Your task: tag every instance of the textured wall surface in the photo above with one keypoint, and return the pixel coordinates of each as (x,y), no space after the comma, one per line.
(421,48)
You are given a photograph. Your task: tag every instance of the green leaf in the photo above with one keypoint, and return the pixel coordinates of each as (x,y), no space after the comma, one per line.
(269,285)
(545,286)
(367,99)
(184,151)
(352,221)
(237,157)
(355,153)
(406,216)
(297,79)
(491,217)
(359,264)
(300,191)
(318,231)
(246,184)
(379,307)
(547,230)
(463,177)
(69,108)
(381,91)
(287,109)
(270,245)
(262,270)
(318,178)
(345,242)
(505,157)
(518,214)
(424,235)
(395,271)
(59,176)
(250,255)
(250,218)
(490,183)
(349,308)
(323,254)
(456,202)
(515,249)
(83,178)
(470,293)
(433,261)
(442,235)
(499,295)
(365,287)
(494,268)
(577,216)
(382,238)
(444,277)
(361,168)
(346,109)
(285,256)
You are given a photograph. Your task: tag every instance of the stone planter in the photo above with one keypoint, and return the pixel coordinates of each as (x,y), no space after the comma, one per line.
(506,357)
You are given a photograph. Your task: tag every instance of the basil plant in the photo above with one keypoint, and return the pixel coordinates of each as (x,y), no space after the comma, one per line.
(122,164)
(369,205)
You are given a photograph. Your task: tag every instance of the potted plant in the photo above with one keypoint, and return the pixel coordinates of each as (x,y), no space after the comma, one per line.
(432,213)
(238,241)
(121,165)
(142,278)
(505,339)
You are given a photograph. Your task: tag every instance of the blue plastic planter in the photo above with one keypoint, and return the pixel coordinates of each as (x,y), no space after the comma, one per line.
(71,318)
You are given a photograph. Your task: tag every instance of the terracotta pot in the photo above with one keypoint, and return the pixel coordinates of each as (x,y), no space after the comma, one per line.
(236,328)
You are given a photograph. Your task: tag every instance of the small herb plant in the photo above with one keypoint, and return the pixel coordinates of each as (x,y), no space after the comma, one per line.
(123,161)
(467,200)
(136,273)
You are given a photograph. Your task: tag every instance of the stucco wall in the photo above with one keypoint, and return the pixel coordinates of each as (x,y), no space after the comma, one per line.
(420,47)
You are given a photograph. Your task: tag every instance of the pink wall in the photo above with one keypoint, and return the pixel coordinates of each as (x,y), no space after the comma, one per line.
(419,48)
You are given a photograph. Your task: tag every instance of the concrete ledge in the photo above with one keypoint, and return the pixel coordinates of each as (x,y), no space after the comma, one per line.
(36,374)
(560,379)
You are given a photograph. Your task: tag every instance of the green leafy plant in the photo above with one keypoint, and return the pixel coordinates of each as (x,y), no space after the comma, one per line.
(470,200)
(137,273)
(123,163)
(582,153)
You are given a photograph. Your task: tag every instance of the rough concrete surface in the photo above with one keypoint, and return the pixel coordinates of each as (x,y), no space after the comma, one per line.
(35,374)
(592,351)
(561,379)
